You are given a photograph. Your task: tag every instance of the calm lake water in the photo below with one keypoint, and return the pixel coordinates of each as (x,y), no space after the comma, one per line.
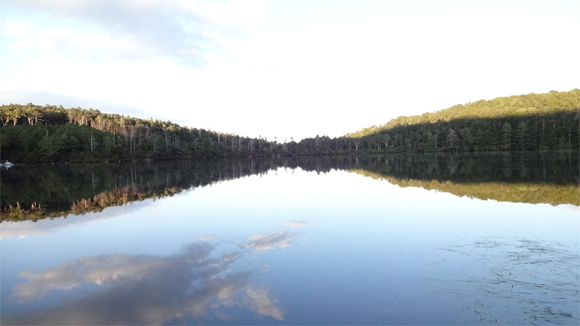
(484,239)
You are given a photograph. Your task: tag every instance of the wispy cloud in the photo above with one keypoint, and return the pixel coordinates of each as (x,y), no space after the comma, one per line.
(191,32)
(295,224)
(207,237)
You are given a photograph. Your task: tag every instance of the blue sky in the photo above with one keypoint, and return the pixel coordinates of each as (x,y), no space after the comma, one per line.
(283,68)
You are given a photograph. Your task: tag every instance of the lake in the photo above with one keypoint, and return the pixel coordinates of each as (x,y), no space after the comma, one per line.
(402,239)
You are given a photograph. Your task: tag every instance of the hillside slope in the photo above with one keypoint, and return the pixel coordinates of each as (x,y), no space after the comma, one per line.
(522,122)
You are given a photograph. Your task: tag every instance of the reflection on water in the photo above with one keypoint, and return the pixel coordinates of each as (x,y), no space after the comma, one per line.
(530,193)
(49,192)
(23,227)
(294,241)
(34,193)
(152,290)
(143,289)
(520,178)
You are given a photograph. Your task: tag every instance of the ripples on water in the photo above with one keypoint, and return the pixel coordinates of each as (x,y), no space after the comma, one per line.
(511,280)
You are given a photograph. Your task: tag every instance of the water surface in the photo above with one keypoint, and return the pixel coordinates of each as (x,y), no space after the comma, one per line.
(448,239)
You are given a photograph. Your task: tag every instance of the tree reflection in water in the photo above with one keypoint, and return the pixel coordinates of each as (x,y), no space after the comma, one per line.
(56,191)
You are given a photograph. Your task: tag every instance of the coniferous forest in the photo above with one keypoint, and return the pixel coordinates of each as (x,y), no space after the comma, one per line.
(533,122)
(43,134)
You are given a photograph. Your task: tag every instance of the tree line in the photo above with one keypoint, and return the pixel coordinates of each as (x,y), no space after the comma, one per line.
(529,122)
(32,133)
(41,134)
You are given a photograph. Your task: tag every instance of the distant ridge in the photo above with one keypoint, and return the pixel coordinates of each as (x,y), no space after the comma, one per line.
(547,121)
(517,105)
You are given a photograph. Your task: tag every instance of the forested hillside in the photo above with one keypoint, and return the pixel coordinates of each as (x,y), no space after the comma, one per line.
(35,134)
(42,134)
(526,122)
(32,133)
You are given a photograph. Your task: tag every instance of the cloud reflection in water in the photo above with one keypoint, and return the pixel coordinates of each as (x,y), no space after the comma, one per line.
(271,240)
(143,289)
(295,224)
(267,241)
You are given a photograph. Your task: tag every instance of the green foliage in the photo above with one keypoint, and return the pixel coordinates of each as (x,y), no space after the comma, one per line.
(526,122)
(77,135)
(36,134)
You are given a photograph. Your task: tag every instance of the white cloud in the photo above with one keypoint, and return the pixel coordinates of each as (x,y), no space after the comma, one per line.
(295,224)
(242,13)
(117,30)
(260,78)
(207,237)
(93,40)
(28,35)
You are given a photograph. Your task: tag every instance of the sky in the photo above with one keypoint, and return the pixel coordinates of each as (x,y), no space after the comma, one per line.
(283,68)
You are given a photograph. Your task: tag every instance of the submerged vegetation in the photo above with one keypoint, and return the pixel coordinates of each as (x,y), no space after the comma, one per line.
(56,191)
(36,134)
